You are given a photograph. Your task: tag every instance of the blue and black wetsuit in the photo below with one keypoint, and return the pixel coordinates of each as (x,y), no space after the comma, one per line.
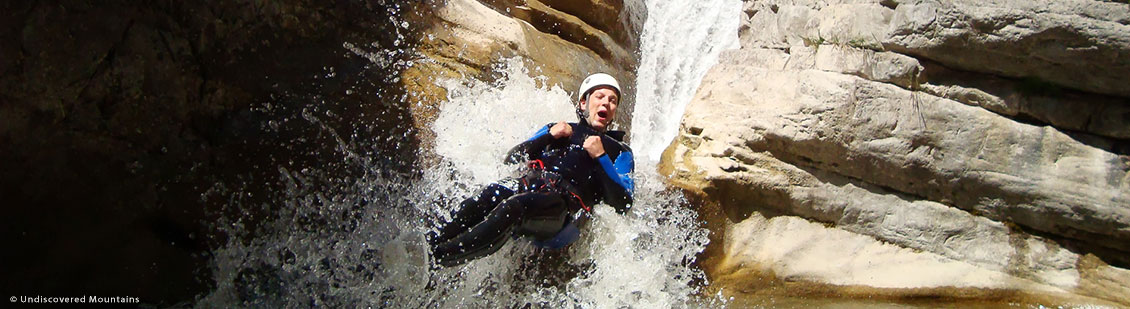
(550,201)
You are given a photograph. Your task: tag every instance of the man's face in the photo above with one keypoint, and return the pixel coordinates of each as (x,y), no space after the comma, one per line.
(600,107)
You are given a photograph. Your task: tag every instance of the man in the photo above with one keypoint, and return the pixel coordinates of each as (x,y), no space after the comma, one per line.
(572,166)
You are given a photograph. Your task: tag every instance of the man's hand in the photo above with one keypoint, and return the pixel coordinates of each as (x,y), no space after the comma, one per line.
(594,146)
(561,129)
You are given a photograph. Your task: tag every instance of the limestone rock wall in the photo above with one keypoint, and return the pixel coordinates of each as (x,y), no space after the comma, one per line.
(993,134)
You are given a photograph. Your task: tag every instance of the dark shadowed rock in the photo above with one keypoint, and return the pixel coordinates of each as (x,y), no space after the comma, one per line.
(118,116)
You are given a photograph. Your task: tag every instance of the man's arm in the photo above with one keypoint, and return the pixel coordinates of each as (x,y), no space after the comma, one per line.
(618,185)
(532,148)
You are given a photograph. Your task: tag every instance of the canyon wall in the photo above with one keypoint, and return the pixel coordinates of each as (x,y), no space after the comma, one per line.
(903,148)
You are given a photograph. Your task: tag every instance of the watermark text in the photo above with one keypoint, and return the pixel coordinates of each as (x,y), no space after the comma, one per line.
(85,299)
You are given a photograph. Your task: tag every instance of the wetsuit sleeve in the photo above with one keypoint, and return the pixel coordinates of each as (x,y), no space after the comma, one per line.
(531,148)
(618,186)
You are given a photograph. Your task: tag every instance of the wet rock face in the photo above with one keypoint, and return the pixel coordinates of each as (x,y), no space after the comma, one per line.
(990,134)
(116,117)
(609,28)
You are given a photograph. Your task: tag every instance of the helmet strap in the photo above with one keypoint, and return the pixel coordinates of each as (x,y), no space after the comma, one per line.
(581,117)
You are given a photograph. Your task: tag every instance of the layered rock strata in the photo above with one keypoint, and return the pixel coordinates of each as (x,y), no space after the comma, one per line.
(914,123)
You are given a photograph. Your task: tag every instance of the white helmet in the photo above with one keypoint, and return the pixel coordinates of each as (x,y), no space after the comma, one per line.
(597,80)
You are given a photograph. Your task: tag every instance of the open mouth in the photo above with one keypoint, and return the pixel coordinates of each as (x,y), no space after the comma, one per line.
(602,114)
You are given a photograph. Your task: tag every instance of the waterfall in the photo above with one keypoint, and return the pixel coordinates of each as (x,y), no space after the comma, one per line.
(358,242)
(681,40)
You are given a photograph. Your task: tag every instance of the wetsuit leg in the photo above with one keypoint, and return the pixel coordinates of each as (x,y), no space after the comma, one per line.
(484,238)
(471,211)
(538,214)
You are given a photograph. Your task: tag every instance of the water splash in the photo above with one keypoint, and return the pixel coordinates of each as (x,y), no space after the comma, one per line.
(481,121)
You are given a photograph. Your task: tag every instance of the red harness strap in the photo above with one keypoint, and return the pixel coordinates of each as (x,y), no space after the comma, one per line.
(538,164)
(582,202)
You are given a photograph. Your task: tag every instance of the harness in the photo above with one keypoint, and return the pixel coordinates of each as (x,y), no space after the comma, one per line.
(542,179)
(551,179)
(553,183)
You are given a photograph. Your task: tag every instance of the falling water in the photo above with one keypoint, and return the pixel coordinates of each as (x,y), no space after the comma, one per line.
(357,240)
(676,54)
